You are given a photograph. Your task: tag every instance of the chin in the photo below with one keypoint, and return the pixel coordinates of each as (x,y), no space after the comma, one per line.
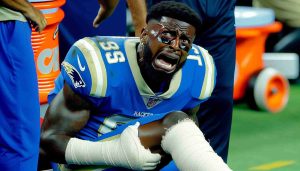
(158,75)
(152,72)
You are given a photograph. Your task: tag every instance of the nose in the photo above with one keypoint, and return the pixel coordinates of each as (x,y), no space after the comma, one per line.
(175,43)
(176,50)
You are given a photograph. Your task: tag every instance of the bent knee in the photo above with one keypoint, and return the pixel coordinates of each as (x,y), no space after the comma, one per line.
(173,118)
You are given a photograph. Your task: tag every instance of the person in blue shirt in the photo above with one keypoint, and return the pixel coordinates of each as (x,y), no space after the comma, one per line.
(19,107)
(128,102)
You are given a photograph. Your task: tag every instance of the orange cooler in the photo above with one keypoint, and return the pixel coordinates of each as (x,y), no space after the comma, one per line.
(45,46)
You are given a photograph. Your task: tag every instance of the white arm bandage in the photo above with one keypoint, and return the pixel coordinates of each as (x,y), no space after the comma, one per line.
(189,149)
(125,151)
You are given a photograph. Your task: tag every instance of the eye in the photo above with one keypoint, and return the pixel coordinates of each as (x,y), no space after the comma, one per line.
(170,34)
(185,44)
(185,41)
(167,37)
(165,40)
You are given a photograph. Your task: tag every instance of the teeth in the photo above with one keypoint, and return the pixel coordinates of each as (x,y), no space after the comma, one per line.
(167,65)
(164,64)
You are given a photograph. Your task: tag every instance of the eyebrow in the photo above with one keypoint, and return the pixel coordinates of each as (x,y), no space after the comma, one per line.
(174,30)
(186,37)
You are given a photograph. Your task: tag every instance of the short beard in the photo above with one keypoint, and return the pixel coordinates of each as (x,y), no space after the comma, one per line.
(151,76)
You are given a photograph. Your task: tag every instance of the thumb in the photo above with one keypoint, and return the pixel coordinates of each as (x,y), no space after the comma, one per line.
(106,9)
(154,157)
(99,17)
(97,21)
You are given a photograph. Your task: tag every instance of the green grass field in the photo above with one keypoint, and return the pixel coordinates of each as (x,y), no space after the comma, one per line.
(265,141)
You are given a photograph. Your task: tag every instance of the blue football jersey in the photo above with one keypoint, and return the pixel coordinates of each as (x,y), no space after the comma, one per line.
(104,70)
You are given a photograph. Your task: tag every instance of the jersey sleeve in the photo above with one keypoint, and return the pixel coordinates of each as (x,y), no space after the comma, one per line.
(83,69)
(205,75)
(210,74)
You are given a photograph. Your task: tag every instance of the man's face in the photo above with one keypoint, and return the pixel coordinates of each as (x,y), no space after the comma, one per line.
(169,41)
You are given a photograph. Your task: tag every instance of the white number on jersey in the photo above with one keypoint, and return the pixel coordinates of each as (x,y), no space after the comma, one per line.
(115,55)
(196,57)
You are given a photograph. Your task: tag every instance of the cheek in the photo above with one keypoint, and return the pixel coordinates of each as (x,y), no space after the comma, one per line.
(183,57)
(154,47)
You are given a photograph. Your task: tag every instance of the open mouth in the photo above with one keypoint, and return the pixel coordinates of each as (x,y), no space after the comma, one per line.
(166,62)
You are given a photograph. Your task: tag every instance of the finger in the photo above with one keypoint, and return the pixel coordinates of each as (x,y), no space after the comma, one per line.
(135,132)
(37,29)
(137,124)
(43,24)
(35,26)
(98,18)
(102,15)
(153,158)
(96,22)
(151,164)
(149,168)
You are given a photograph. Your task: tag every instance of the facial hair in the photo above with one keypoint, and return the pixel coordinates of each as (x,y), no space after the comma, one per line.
(154,78)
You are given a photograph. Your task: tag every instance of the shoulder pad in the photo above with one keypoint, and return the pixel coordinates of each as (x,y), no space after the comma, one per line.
(205,76)
(84,69)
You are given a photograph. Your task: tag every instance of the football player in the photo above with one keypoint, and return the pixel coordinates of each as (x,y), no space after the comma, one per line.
(127,102)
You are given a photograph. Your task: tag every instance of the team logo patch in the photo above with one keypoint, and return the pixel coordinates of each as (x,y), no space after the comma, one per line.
(74,75)
(152,101)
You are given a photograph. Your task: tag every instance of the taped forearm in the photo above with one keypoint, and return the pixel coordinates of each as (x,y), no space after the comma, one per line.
(189,149)
(84,152)
(125,151)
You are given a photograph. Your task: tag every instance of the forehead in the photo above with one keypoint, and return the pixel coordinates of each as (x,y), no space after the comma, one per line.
(175,24)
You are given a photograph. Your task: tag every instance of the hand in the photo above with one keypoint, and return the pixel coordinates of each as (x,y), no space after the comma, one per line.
(124,150)
(107,7)
(37,19)
(138,158)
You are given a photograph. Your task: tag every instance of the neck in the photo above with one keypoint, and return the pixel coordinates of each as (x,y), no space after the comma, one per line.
(157,81)
(157,85)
